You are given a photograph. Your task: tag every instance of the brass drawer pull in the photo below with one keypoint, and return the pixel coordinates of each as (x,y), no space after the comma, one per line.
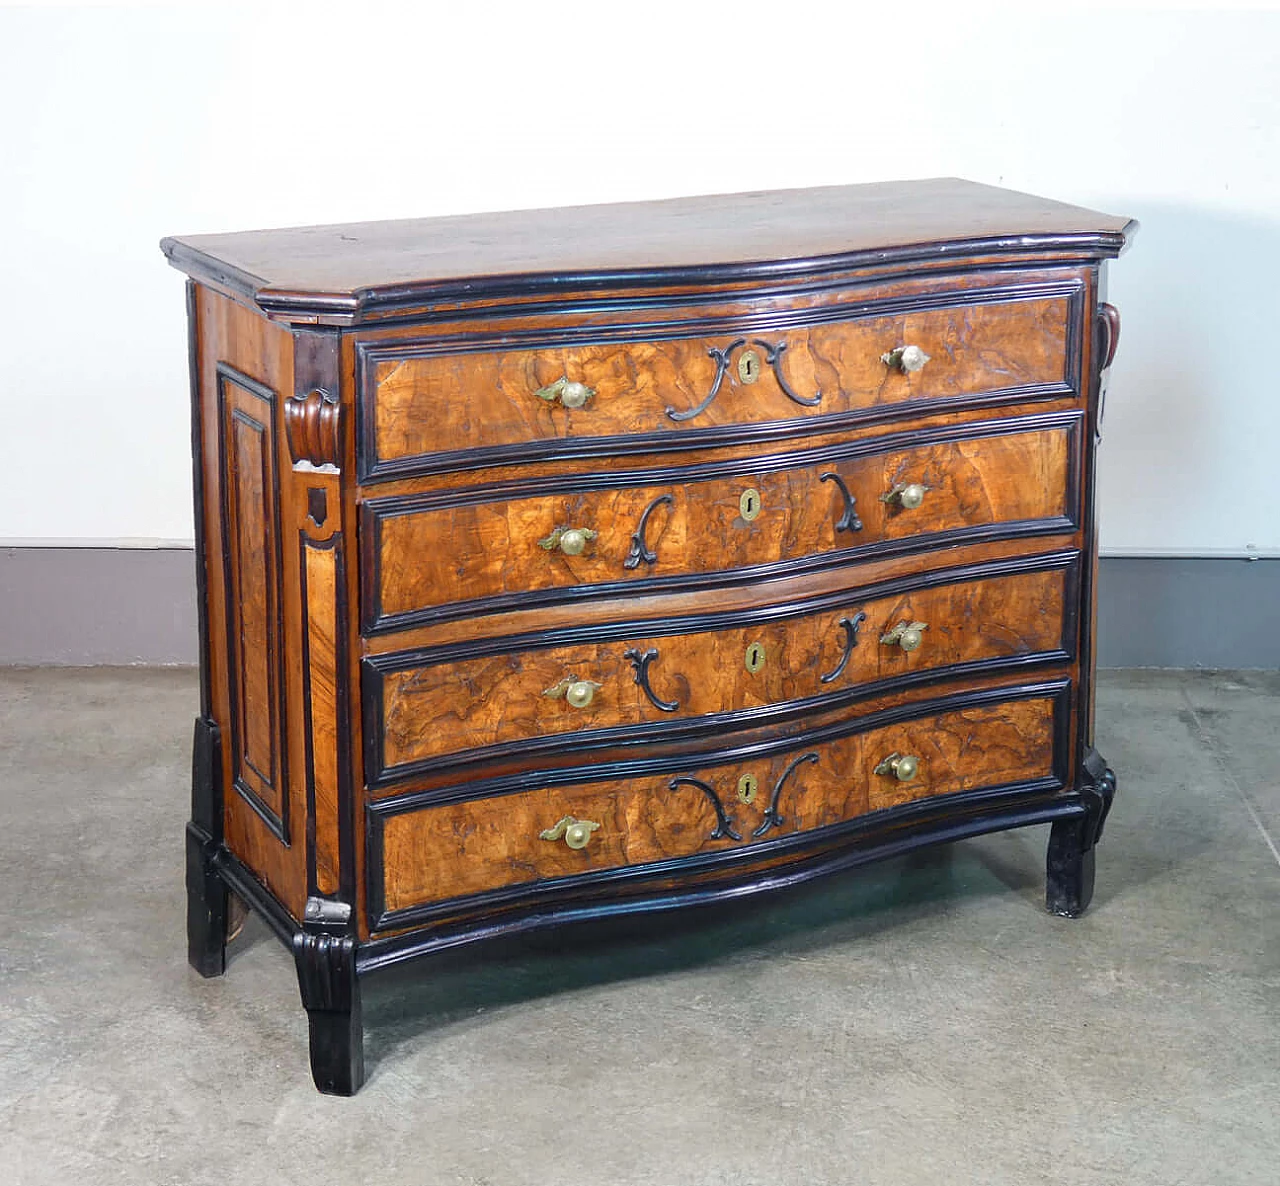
(907,635)
(907,359)
(565,392)
(903,767)
(572,541)
(907,495)
(576,833)
(578,693)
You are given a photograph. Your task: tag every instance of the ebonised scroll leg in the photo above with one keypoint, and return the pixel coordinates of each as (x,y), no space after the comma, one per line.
(206,891)
(331,995)
(1070,865)
(206,907)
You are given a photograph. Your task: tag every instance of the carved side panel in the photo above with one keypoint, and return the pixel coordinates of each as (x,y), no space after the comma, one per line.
(252,563)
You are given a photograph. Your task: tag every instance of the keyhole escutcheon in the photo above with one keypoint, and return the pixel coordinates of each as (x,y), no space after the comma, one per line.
(754,659)
(749,504)
(749,366)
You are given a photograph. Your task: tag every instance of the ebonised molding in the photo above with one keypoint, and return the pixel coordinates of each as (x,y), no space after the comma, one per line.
(375,667)
(375,511)
(278,775)
(676,437)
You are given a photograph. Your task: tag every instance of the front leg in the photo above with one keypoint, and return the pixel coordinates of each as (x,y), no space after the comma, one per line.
(206,906)
(1070,866)
(331,996)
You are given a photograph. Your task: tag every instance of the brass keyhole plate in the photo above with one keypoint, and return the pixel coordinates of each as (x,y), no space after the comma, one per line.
(749,504)
(748,366)
(754,658)
(747,787)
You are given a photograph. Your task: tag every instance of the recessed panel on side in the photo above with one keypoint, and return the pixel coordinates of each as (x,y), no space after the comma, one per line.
(252,566)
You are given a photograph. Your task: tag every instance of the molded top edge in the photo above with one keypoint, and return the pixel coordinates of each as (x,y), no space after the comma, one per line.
(340,272)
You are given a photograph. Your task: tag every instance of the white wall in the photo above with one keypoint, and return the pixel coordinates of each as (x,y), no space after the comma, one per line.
(120,126)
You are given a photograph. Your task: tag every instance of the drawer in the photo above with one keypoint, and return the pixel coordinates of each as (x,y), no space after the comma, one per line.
(720,807)
(473,701)
(439,405)
(453,553)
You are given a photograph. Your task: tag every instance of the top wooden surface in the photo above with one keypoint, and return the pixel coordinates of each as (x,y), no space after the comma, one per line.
(678,240)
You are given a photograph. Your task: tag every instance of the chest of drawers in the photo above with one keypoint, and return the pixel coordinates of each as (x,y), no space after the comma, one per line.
(573,562)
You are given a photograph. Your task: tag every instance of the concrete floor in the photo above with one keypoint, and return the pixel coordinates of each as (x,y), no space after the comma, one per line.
(921,1021)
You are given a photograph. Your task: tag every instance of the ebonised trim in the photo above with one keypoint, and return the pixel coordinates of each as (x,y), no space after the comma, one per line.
(728,751)
(197,488)
(513,306)
(277,823)
(1087,480)
(371,468)
(375,668)
(241,881)
(682,764)
(368,304)
(375,511)
(999,815)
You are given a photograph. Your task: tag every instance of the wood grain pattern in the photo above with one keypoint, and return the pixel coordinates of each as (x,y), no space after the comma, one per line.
(433,711)
(486,548)
(321,581)
(349,267)
(480,399)
(230,334)
(250,508)
(466,848)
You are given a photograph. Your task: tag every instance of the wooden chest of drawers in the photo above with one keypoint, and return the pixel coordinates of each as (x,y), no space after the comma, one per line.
(570,562)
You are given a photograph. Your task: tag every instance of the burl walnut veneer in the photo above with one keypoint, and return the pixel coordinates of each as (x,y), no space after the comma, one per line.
(569,562)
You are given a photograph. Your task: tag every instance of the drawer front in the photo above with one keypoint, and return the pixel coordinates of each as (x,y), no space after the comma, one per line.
(428,407)
(773,659)
(429,557)
(469,848)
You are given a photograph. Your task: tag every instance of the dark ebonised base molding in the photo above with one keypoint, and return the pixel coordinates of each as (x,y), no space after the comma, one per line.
(330,960)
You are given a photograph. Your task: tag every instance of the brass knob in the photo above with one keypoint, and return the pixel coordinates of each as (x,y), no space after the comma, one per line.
(907,495)
(907,635)
(576,833)
(907,359)
(579,693)
(572,541)
(566,392)
(903,767)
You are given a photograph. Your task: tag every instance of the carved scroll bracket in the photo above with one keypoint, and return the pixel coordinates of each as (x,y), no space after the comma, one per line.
(312,424)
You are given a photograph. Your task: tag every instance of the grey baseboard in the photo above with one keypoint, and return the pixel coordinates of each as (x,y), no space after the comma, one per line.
(87,606)
(1185,612)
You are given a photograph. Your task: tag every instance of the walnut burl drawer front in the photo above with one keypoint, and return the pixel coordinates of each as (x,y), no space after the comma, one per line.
(433,557)
(476,846)
(761,662)
(429,407)
(429,557)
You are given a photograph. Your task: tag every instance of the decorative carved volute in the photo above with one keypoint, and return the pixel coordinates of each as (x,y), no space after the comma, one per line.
(312,422)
